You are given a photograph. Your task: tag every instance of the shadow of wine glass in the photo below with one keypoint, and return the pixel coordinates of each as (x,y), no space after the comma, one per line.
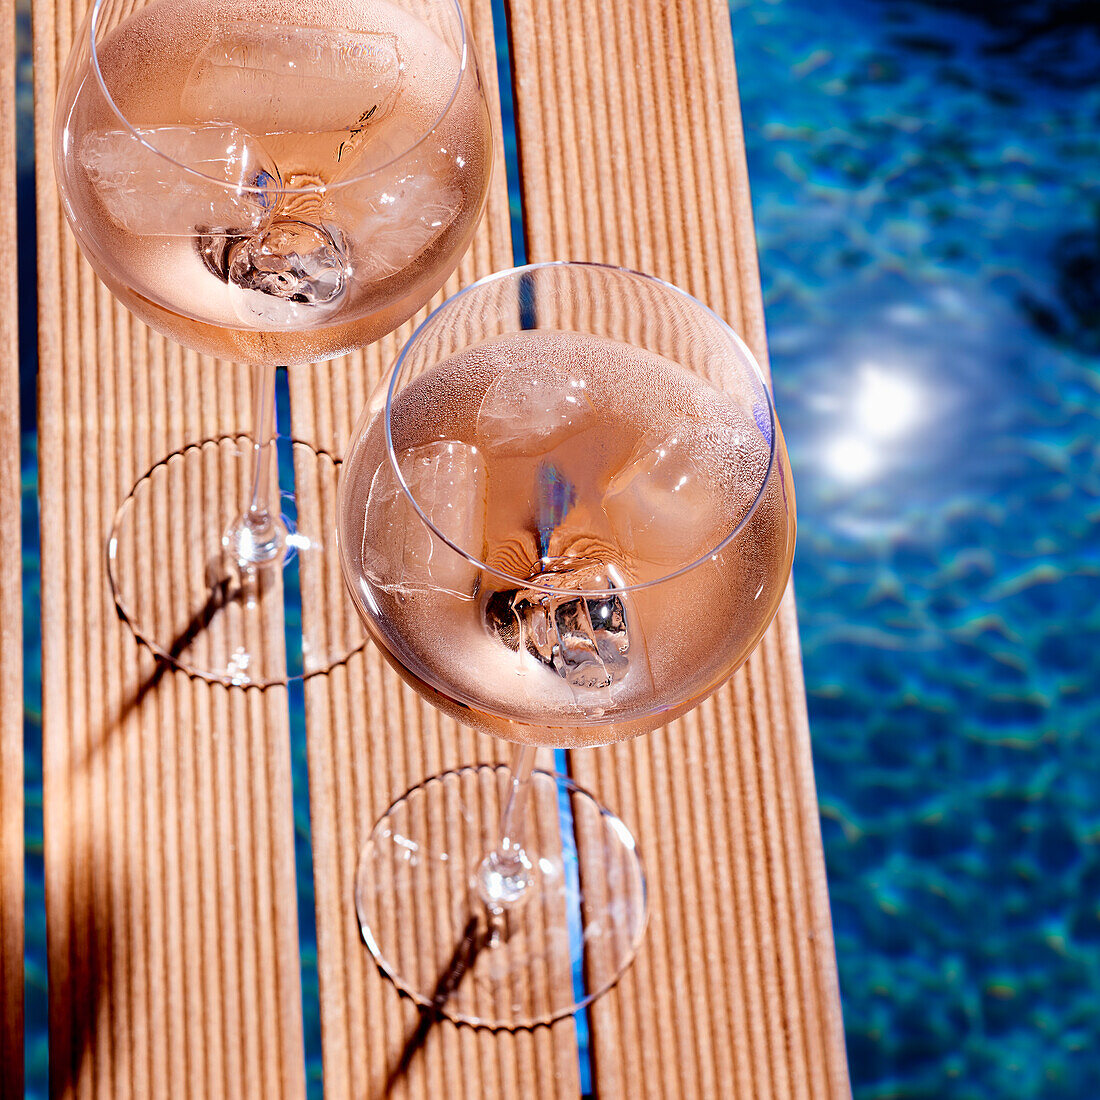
(465,952)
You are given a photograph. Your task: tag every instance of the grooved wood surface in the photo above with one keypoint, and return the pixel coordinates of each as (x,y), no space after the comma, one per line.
(631,152)
(170,886)
(370,738)
(11,603)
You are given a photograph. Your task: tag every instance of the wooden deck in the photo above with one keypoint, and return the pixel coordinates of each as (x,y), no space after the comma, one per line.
(169,848)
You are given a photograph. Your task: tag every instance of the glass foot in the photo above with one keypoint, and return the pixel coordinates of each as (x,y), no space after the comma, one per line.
(186,599)
(570,937)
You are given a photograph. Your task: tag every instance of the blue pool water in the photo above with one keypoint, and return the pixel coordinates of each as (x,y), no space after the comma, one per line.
(925,185)
(928,208)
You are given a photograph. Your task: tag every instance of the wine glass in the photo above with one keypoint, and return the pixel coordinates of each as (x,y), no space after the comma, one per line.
(565,517)
(269,185)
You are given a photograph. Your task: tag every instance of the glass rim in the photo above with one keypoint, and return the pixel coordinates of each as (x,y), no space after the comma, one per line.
(313,188)
(531,585)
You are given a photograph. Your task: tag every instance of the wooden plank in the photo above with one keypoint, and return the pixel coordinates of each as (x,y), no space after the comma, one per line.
(11,603)
(632,153)
(369,739)
(169,857)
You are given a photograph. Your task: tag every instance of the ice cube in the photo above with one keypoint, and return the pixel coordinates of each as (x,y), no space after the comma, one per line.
(584,639)
(290,259)
(672,502)
(148,193)
(368,147)
(448,481)
(278,79)
(531,407)
(401,217)
(292,275)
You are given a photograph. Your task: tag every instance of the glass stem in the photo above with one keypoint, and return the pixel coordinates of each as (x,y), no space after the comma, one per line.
(263,427)
(257,537)
(510,844)
(504,877)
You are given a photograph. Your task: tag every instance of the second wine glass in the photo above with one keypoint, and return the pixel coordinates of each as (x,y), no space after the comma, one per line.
(273,190)
(566,520)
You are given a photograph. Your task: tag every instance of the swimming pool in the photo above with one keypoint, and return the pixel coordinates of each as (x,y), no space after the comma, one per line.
(928,213)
